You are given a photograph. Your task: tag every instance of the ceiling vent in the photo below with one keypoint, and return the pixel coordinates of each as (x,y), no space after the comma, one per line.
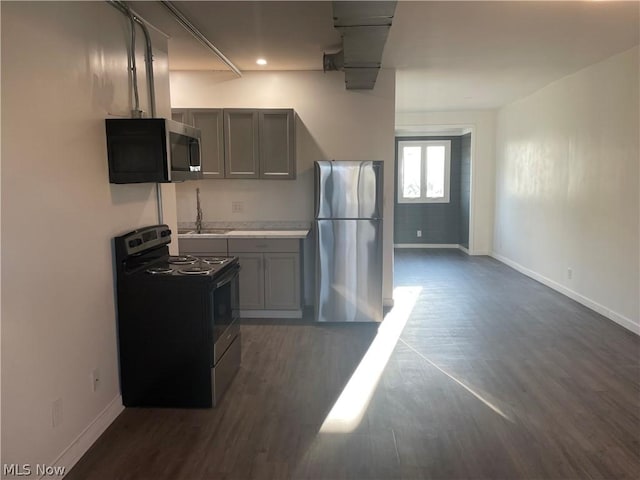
(364,27)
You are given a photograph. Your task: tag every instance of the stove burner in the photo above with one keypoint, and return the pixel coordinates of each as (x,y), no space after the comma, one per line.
(214,260)
(182,259)
(159,270)
(195,271)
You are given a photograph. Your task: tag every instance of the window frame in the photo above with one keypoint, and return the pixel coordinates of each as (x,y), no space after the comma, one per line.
(423,144)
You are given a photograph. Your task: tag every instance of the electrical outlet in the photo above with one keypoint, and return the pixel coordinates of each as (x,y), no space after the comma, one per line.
(418,233)
(237,207)
(95,379)
(569,274)
(56,413)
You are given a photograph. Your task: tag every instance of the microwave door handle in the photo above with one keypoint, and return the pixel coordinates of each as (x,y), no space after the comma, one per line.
(194,151)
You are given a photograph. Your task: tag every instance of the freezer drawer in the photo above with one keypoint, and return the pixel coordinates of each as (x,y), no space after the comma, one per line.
(349,271)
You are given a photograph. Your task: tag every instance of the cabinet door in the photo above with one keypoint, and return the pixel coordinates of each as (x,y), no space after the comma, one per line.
(251,289)
(277,144)
(241,143)
(180,115)
(209,121)
(282,281)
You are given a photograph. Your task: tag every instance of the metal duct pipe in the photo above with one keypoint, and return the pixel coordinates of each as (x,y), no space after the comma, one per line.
(364,26)
(333,61)
(148,58)
(148,54)
(198,35)
(134,70)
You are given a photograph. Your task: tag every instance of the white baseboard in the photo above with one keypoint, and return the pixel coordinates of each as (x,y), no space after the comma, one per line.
(70,455)
(587,302)
(426,245)
(440,245)
(270,313)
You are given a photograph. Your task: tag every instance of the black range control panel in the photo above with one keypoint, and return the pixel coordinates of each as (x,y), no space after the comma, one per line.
(146,238)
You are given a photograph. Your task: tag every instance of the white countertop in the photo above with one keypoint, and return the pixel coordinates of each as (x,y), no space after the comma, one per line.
(249,234)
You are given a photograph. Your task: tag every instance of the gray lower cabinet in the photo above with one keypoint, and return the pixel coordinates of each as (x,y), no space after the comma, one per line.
(270,277)
(282,281)
(270,269)
(251,281)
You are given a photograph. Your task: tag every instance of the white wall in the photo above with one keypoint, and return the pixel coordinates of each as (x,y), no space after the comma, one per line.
(482,123)
(333,123)
(567,186)
(64,70)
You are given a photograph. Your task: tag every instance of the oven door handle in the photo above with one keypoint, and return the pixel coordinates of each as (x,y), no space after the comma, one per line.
(228,278)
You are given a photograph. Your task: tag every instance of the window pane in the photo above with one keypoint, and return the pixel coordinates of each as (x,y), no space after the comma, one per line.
(435,171)
(411,172)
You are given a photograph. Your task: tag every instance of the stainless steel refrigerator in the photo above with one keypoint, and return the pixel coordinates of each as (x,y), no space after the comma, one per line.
(348,229)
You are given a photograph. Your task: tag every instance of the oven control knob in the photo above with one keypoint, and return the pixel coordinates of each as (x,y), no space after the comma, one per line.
(135,242)
(165,233)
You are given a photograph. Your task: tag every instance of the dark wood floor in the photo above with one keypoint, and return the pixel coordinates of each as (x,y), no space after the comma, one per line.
(494,376)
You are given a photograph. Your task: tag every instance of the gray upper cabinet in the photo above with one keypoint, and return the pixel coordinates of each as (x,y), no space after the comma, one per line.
(277,144)
(244,142)
(210,123)
(180,115)
(241,136)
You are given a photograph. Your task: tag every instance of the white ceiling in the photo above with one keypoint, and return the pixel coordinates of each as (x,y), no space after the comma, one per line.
(479,55)
(290,35)
(449,55)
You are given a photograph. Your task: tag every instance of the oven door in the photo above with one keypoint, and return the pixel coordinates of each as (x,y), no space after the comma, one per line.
(225,307)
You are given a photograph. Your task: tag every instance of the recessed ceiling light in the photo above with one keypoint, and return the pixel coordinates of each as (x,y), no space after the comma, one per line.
(261,61)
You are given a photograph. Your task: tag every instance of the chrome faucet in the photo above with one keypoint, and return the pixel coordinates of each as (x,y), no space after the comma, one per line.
(198,212)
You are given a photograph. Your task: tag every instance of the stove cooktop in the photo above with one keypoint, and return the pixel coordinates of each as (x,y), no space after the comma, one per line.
(188,265)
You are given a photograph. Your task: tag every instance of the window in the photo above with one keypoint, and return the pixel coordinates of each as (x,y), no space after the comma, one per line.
(423,171)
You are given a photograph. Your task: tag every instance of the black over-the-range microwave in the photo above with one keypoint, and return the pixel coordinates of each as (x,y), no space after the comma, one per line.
(152,150)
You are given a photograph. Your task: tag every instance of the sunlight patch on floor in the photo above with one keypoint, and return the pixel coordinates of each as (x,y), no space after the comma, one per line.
(349,409)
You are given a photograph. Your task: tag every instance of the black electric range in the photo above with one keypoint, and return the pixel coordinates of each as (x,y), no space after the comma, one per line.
(178,322)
